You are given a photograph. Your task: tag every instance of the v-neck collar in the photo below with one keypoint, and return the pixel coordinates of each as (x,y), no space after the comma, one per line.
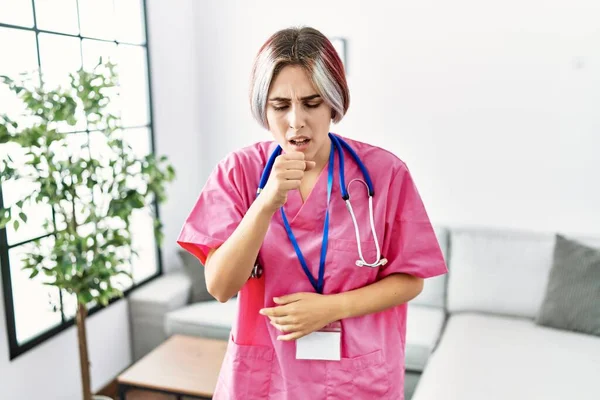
(315,205)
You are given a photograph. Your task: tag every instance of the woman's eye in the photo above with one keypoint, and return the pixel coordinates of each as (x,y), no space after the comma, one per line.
(285,107)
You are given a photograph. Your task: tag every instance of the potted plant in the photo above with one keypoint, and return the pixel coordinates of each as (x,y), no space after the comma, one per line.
(92,194)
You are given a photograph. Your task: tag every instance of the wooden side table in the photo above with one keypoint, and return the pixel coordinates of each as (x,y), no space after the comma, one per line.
(181,366)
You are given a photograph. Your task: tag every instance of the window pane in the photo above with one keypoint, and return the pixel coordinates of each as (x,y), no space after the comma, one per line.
(133,79)
(16,41)
(121,281)
(33,301)
(92,51)
(57,15)
(130,17)
(16,12)
(69,303)
(97,19)
(76,147)
(56,70)
(37,214)
(145,264)
(142,226)
(140,140)
(15,190)
(99,148)
(101,151)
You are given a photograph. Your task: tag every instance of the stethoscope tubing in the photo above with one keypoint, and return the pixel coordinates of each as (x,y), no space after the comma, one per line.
(340,145)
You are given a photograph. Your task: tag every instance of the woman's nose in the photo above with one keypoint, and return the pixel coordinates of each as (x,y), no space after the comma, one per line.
(296,118)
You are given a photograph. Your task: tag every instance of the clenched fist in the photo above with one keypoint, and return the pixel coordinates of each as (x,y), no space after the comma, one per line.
(287,173)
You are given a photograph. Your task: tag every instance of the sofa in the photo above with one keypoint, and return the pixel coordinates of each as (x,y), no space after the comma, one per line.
(471,334)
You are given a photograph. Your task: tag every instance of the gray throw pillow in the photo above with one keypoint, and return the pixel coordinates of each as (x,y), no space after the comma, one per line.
(572,300)
(195,271)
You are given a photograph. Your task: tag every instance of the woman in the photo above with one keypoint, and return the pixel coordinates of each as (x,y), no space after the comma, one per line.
(311,323)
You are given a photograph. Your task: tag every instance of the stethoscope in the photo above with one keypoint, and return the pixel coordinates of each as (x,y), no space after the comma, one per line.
(339,146)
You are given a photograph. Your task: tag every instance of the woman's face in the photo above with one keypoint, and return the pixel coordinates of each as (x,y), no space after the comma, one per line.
(298,117)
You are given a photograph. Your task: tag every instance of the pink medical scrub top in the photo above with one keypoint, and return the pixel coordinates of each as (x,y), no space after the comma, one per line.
(257,365)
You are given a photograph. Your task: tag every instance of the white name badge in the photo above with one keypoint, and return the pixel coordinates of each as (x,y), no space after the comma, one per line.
(324,344)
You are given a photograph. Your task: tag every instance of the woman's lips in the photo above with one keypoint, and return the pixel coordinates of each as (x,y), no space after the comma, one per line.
(299,144)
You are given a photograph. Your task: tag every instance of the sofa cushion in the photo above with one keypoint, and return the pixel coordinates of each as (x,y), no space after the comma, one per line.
(423,328)
(498,358)
(572,300)
(500,272)
(434,289)
(209,319)
(156,298)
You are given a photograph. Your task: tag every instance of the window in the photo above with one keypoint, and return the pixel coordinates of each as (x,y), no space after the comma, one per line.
(58,37)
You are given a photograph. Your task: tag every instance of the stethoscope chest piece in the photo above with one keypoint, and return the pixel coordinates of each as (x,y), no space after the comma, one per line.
(257,271)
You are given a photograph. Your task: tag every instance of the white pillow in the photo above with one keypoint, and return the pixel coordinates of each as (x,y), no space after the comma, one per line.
(500,272)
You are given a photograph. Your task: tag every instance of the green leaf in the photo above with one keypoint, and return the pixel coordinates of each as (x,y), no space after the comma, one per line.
(4,135)
(23,216)
(104,300)
(84,297)
(16,224)
(5,217)
(159,237)
(6,79)
(34,273)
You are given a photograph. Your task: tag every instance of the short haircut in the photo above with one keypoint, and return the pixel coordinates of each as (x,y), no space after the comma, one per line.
(310,49)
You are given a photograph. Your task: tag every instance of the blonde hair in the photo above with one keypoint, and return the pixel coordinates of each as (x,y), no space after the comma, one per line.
(310,49)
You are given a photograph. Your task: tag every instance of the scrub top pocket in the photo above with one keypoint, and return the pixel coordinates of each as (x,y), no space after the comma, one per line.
(349,245)
(362,377)
(342,256)
(246,372)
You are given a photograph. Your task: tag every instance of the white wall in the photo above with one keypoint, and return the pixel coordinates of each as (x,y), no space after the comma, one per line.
(51,370)
(178,102)
(493,105)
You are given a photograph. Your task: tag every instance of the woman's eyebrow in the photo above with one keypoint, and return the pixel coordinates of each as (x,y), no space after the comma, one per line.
(311,97)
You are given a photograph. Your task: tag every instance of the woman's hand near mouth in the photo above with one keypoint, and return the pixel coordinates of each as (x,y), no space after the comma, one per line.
(287,173)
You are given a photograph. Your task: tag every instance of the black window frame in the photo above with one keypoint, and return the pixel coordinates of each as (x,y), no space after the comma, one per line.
(16,349)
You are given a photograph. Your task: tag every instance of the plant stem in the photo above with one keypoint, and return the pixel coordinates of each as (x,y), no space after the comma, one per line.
(83,351)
